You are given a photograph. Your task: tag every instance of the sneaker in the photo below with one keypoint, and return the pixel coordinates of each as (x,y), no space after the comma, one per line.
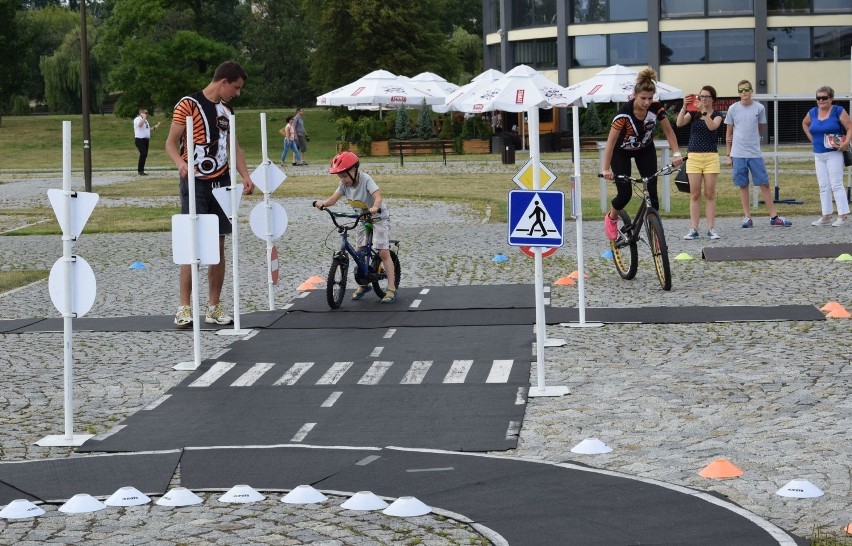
(820,222)
(361,291)
(215,315)
(780,221)
(693,234)
(747,223)
(712,233)
(183,317)
(840,222)
(611,228)
(390,297)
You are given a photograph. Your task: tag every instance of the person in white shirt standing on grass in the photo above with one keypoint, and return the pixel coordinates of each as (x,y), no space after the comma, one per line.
(142,133)
(745,121)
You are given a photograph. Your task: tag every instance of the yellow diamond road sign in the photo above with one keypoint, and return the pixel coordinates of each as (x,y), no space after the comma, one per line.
(524,178)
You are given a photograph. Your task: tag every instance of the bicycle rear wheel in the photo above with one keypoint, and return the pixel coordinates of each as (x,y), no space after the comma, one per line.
(335,286)
(624,254)
(380,284)
(659,249)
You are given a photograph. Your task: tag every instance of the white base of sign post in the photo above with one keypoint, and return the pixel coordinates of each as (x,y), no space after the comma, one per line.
(59,440)
(581,324)
(185,366)
(555,342)
(234,332)
(536,392)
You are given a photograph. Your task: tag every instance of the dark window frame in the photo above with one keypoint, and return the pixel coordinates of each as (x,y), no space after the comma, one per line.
(811,56)
(607,39)
(809,10)
(608,19)
(536,46)
(707,53)
(706,13)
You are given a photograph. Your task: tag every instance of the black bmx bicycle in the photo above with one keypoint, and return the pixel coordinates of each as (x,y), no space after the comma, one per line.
(625,251)
(369,269)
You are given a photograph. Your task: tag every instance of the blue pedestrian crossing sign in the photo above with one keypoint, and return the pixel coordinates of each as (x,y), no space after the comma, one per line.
(536,218)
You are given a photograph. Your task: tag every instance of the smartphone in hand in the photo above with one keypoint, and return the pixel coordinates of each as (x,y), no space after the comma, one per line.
(690,101)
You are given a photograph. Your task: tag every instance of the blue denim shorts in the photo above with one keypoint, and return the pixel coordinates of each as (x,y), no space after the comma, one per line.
(757,167)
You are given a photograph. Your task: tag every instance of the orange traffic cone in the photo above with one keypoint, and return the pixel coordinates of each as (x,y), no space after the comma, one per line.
(313,283)
(721,469)
(840,312)
(565,281)
(576,274)
(830,306)
(848,530)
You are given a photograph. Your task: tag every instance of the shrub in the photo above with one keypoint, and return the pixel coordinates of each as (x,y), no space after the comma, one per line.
(402,128)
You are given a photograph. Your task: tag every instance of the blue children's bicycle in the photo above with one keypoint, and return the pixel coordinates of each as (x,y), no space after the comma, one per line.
(368,264)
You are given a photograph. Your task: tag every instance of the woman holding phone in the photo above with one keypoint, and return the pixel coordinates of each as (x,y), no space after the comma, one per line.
(703,156)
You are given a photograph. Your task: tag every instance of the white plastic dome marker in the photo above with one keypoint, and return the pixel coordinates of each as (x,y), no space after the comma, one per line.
(363,501)
(127,496)
(21,509)
(304,494)
(241,494)
(407,507)
(82,503)
(800,489)
(591,446)
(179,496)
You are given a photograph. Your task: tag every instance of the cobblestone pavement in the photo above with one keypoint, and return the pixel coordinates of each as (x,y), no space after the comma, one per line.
(773,397)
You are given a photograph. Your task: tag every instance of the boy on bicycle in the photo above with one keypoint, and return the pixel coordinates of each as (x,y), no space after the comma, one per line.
(358,186)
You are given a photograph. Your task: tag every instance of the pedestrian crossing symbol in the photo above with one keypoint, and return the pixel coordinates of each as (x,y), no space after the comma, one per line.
(536,218)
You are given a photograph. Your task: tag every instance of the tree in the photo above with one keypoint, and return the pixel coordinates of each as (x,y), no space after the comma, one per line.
(468,48)
(590,122)
(402,128)
(276,38)
(355,37)
(61,72)
(11,65)
(43,33)
(424,122)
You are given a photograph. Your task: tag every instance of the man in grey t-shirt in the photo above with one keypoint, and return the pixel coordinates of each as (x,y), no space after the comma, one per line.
(745,121)
(301,134)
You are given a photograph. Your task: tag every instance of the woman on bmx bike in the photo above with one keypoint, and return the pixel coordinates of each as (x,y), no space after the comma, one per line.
(358,186)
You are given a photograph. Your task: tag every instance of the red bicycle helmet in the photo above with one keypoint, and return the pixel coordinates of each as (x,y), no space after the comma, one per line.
(343,162)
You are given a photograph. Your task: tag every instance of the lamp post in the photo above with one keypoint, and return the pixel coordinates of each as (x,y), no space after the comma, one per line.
(84,90)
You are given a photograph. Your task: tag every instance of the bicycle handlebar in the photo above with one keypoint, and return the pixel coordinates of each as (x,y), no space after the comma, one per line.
(668,169)
(335,215)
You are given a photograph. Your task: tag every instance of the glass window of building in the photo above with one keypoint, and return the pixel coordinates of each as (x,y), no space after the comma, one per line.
(682,8)
(589,50)
(627,10)
(628,49)
(536,53)
(787,7)
(533,13)
(832,42)
(793,42)
(730,7)
(731,45)
(832,6)
(683,46)
(589,11)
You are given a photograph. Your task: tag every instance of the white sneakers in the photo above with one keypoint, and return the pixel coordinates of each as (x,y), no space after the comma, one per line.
(827,222)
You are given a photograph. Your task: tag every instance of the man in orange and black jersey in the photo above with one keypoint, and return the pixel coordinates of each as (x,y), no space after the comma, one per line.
(210,113)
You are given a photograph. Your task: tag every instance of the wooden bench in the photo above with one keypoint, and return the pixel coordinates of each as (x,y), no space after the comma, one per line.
(421,147)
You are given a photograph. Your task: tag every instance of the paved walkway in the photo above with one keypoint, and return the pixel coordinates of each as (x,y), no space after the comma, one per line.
(771,397)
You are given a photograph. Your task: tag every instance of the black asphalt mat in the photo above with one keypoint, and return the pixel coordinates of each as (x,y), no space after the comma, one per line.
(502,296)
(686,315)
(99,475)
(154,323)
(525,502)
(423,343)
(775,252)
(467,417)
(9,326)
(386,318)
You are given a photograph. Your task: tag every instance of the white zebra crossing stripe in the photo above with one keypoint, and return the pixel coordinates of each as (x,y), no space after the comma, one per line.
(389,334)
(415,304)
(334,373)
(216,371)
(417,372)
(253,374)
(458,371)
(306,428)
(332,398)
(294,373)
(376,352)
(500,371)
(375,373)
(424,291)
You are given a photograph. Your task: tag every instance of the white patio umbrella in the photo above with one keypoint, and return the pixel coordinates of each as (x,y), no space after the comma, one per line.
(614,84)
(433,84)
(479,82)
(523,89)
(379,88)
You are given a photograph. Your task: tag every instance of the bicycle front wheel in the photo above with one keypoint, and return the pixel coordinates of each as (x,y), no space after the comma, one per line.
(377,267)
(335,285)
(624,254)
(659,249)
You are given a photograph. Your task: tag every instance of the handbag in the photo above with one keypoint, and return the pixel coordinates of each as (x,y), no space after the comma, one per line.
(847,153)
(847,157)
(682,179)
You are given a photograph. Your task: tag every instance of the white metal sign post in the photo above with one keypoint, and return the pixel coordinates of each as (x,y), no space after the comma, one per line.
(229,199)
(71,283)
(268,220)
(203,247)
(541,218)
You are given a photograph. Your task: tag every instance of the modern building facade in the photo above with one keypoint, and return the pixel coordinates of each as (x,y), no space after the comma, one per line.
(689,43)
